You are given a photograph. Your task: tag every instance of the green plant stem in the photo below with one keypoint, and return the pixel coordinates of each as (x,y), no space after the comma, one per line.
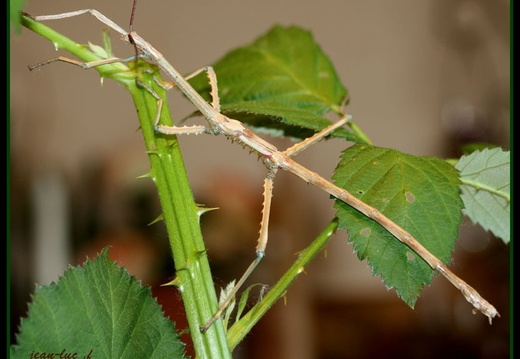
(361,135)
(180,212)
(181,217)
(239,330)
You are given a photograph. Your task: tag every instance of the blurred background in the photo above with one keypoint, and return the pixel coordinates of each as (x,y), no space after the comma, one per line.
(424,77)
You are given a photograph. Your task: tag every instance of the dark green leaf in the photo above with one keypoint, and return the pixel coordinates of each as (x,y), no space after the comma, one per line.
(282,81)
(97,309)
(420,194)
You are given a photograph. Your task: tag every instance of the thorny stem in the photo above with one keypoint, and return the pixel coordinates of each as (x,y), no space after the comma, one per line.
(180,213)
(181,217)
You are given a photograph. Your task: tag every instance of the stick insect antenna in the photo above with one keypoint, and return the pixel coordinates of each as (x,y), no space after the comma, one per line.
(131,29)
(132,14)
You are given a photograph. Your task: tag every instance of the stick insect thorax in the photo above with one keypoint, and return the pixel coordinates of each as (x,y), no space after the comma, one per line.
(220,124)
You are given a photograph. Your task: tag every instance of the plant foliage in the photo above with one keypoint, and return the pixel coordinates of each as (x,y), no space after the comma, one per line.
(418,193)
(98,309)
(486,189)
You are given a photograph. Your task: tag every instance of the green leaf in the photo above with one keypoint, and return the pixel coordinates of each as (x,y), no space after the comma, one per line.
(485,177)
(420,194)
(99,310)
(243,300)
(282,81)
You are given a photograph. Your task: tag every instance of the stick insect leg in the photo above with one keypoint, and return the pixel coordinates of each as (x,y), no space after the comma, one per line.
(157,97)
(92,64)
(84,65)
(105,20)
(260,249)
(300,146)
(215,103)
(169,130)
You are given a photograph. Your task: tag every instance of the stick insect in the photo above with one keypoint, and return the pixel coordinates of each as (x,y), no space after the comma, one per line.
(274,159)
